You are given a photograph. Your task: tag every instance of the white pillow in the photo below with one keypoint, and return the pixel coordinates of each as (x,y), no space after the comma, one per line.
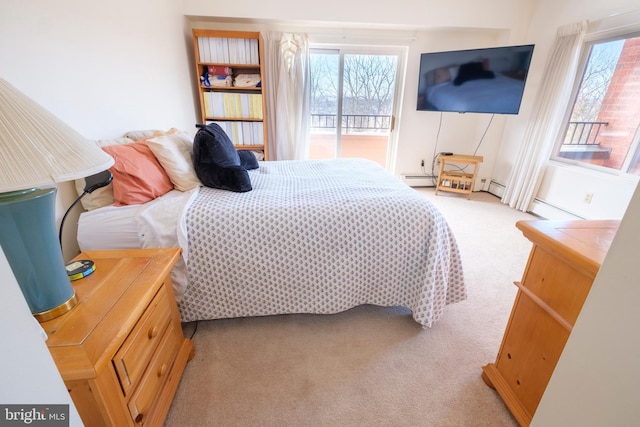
(137,135)
(173,150)
(98,198)
(102,196)
(115,141)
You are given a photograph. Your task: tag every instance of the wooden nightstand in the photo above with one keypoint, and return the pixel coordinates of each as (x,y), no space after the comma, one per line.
(458,181)
(563,263)
(121,351)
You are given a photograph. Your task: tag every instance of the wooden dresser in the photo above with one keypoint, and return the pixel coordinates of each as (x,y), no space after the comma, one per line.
(121,351)
(563,263)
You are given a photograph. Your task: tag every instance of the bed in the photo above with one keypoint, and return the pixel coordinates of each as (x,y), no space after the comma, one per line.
(315,236)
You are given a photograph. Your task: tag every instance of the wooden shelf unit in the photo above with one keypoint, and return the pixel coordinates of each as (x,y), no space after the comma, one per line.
(564,260)
(246,131)
(457,181)
(121,351)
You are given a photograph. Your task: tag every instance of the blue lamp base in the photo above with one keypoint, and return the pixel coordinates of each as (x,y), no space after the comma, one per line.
(30,242)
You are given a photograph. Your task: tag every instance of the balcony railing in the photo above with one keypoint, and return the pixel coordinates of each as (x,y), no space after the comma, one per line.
(352,123)
(583,133)
(581,141)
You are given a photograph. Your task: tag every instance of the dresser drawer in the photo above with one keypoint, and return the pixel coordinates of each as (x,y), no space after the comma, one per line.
(530,351)
(561,286)
(144,397)
(136,352)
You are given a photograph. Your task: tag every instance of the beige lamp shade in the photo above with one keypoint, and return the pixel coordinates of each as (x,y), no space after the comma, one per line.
(38,149)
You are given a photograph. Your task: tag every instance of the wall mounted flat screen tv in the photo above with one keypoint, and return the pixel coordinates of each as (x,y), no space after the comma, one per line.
(488,80)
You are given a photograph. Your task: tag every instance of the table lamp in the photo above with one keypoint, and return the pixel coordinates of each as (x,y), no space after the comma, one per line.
(38,150)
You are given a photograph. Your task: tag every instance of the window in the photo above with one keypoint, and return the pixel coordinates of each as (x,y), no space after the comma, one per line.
(602,129)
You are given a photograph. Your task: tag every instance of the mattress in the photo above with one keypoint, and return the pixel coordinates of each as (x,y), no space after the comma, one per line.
(109,227)
(158,223)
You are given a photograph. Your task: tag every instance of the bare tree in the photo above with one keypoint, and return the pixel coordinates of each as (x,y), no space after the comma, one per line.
(601,65)
(368,84)
(324,89)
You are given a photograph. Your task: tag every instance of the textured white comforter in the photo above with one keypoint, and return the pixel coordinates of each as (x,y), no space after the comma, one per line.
(318,237)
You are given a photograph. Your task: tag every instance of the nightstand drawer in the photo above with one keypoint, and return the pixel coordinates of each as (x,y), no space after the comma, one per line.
(144,397)
(136,352)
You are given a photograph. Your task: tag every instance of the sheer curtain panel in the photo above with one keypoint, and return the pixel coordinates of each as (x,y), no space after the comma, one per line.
(288,95)
(546,118)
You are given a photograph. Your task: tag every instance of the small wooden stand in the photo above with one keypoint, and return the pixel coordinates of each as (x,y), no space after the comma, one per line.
(458,181)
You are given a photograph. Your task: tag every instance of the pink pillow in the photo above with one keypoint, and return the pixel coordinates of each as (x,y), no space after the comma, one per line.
(138,177)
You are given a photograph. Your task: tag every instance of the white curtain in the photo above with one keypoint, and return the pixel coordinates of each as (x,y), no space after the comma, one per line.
(546,118)
(288,95)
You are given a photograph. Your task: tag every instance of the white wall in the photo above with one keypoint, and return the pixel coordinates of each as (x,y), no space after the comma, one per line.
(568,185)
(102,67)
(29,374)
(403,13)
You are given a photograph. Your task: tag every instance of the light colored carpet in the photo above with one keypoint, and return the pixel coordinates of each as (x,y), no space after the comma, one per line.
(370,366)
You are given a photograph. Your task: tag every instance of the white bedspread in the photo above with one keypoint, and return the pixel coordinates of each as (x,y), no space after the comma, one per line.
(318,237)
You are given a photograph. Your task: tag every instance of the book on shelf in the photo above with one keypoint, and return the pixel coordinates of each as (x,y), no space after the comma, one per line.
(235,56)
(233,105)
(201,49)
(224,57)
(253,51)
(223,50)
(243,133)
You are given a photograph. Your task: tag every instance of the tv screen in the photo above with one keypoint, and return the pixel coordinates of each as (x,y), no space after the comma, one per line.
(488,80)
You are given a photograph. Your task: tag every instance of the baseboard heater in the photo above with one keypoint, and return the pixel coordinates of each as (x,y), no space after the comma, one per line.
(418,180)
(538,207)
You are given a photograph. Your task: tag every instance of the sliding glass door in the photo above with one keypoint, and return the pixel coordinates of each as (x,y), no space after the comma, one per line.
(353,100)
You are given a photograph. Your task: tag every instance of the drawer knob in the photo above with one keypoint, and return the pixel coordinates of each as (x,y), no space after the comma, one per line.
(138,418)
(153,332)
(162,370)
